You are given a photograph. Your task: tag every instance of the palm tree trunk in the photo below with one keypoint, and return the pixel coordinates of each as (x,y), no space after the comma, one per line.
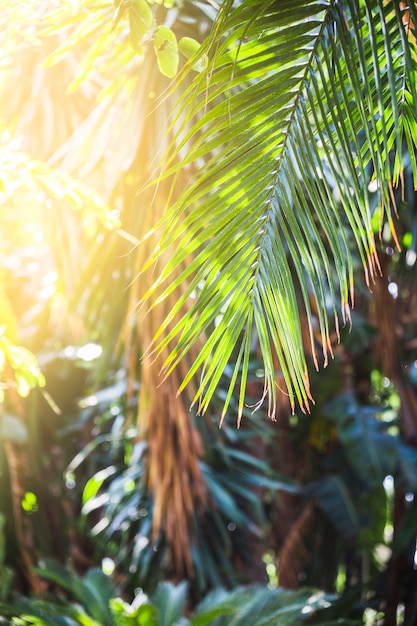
(21,481)
(385,314)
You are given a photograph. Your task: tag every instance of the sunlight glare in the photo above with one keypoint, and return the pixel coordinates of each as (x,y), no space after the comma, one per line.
(108,566)
(89,352)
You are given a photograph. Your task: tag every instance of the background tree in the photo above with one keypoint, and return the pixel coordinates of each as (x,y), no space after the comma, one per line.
(96,81)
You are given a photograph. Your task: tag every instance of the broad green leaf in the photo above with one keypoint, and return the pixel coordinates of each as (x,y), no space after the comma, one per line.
(189,47)
(372,452)
(171,601)
(166,50)
(336,501)
(146,614)
(93,484)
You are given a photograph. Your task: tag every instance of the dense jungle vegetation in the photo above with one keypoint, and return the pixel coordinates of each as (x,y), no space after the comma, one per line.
(208,345)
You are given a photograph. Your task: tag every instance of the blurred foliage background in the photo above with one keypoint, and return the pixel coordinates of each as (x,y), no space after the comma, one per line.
(118,504)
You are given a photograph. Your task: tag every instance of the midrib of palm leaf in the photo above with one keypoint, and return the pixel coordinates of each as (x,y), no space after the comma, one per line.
(264,191)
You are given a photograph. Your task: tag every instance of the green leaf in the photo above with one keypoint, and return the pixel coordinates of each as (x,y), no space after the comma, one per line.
(336,501)
(146,614)
(93,484)
(190,48)
(166,50)
(207,617)
(140,21)
(23,386)
(93,592)
(372,452)
(171,601)
(259,606)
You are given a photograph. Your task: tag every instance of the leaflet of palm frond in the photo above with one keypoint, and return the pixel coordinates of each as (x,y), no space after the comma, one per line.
(288,91)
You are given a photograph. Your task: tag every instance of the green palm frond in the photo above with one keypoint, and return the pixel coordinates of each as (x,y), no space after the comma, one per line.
(303,105)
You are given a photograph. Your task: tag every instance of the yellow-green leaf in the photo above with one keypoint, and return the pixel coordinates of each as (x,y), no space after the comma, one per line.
(140,21)
(22,385)
(166,50)
(189,46)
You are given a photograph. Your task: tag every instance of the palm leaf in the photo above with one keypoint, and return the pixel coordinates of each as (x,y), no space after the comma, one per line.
(302,105)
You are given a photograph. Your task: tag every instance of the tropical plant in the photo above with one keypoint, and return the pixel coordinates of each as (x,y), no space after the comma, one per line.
(279,171)
(93,600)
(119,506)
